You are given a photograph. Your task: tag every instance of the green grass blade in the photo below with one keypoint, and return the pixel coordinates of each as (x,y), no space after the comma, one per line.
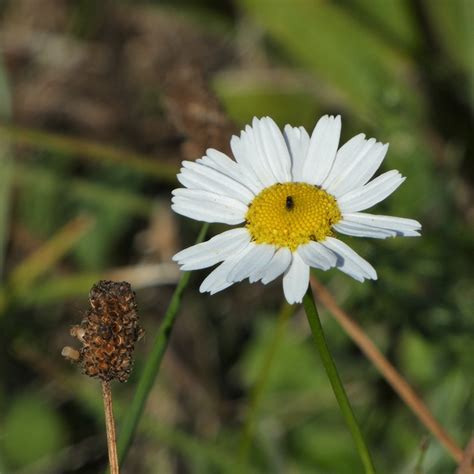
(364,70)
(262,381)
(97,152)
(27,272)
(152,366)
(5,170)
(43,259)
(86,190)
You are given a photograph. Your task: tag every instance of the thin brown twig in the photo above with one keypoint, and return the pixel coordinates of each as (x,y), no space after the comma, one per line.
(388,371)
(467,463)
(110,426)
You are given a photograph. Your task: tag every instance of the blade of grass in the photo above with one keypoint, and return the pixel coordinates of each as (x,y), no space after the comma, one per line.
(153,363)
(348,67)
(91,150)
(43,259)
(6,174)
(50,253)
(5,167)
(87,191)
(262,379)
(333,375)
(425,442)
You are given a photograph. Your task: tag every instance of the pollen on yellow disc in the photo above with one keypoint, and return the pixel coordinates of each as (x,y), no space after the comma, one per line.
(291,214)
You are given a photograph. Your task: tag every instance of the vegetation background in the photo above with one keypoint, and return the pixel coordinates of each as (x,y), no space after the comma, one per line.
(99,103)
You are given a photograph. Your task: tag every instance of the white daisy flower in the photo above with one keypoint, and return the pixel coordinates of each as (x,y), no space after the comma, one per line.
(292,193)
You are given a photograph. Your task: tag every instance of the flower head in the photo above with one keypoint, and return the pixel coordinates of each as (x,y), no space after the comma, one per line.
(292,193)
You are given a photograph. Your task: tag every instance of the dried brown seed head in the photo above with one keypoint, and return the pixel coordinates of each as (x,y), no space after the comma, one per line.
(70,353)
(108,332)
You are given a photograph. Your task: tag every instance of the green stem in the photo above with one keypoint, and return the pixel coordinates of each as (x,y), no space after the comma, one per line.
(262,380)
(152,365)
(338,388)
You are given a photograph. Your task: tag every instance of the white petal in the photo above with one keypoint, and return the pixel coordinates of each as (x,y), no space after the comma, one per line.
(297,140)
(214,250)
(277,265)
(344,157)
(195,211)
(221,162)
(245,156)
(258,273)
(208,207)
(372,193)
(355,151)
(349,261)
(198,176)
(360,170)
(399,226)
(296,280)
(361,230)
(276,151)
(257,138)
(322,149)
(247,151)
(258,257)
(217,279)
(316,255)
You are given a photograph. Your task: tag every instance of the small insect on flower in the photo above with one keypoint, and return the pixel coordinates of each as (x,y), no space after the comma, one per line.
(108,332)
(289,204)
(292,192)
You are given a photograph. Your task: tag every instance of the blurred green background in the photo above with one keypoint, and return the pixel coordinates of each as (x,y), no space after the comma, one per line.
(99,103)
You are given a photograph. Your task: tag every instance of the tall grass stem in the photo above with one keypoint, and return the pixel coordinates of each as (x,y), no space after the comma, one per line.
(152,365)
(333,375)
(262,381)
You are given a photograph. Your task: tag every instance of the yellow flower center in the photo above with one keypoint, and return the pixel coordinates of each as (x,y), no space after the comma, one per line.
(291,214)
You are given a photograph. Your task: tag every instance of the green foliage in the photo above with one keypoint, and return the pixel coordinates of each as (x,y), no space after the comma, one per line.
(340,50)
(245,99)
(32,430)
(298,403)
(6,167)
(398,70)
(452,21)
(292,352)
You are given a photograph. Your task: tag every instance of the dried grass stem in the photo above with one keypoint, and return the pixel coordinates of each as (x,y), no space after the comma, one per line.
(110,426)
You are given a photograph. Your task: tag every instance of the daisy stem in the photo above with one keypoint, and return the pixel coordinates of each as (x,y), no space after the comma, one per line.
(152,364)
(262,380)
(334,378)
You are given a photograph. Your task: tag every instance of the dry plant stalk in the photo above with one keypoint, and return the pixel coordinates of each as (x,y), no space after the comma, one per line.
(388,371)
(108,334)
(467,463)
(110,428)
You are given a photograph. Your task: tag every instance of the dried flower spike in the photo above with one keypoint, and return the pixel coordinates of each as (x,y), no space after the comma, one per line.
(108,332)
